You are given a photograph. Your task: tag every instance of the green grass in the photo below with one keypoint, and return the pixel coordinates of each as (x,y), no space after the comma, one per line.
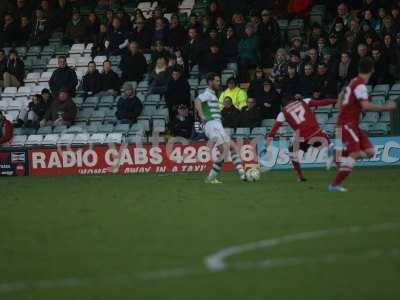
(105,232)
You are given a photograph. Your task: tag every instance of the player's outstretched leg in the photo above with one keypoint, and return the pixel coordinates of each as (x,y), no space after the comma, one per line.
(344,171)
(296,164)
(238,164)
(216,169)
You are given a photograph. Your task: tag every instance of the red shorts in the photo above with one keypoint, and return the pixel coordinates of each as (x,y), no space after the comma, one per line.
(355,139)
(316,141)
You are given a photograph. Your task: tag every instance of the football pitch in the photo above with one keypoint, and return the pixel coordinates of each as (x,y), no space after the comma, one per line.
(174,237)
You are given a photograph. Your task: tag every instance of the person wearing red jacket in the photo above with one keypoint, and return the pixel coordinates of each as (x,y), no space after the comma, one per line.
(301,118)
(6,129)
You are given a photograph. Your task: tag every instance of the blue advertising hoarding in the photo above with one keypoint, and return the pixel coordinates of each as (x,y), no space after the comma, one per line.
(387,153)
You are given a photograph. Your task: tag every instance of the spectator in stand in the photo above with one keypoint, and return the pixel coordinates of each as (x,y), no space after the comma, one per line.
(344,14)
(117,40)
(178,91)
(99,45)
(238,95)
(344,72)
(312,58)
(315,34)
(15,71)
(338,29)
(141,34)
(280,66)
(6,130)
(270,36)
(21,8)
(230,46)
(213,61)
(250,115)
(92,27)
(160,32)
(133,64)
(182,123)
(62,111)
(238,23)
(332,62)
(307,83)
(62,13)
(63,77)
(176,35)
(290,84)
(24,31)
(194,48)
(91,82)
(8,31)
(381,73)
(362,51)
(256,88)
(31,116)
(129,107)
(230,114)
(221,26)
(271,101)
(75,31)
(249,54)
(389,27)
(389,52)
(334,45)
(46,95)
(110,82)
(159,77)
(194,23)
(41,29)
(325,85)
(159,51)
(124,18)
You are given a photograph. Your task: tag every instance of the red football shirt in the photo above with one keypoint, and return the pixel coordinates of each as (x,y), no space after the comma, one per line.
(300,117)
(350,110)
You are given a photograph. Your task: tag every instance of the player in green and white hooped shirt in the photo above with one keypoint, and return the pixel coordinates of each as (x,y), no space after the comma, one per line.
(208,110)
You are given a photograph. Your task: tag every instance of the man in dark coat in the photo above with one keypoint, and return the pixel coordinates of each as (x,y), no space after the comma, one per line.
(307,83)
(182,123)
(129,107)
(63,77)
(178,91)
(230,114)
(8,33)
(133,64)
(91,82)
(15,70)
(326,85)
(75,31)
(62,111)
(290,83)
(110,82)
(213,61)
(194,49)
(250,115)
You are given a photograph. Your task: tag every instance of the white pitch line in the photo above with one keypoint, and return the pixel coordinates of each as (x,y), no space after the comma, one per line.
(217,262)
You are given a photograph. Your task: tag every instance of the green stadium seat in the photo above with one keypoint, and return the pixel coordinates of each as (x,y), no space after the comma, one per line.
(106,101)
(268,122)
(371,117)
(242,132)
(60,129)
(385,117)
(90,102)
(92,128)
(45,130)
(380,129)
(122,128)
(380,90)
(98,115)
(365,126)
(159,125)
(145,122)
(84,114)
(322,118)
(105,128)
(259,131)
(378,99)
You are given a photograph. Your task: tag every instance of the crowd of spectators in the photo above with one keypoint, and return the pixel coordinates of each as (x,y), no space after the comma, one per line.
(316,62)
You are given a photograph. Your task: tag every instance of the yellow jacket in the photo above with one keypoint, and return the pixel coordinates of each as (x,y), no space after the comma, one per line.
(238,95)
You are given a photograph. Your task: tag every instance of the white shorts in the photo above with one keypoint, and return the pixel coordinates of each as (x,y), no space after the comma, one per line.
(216,133)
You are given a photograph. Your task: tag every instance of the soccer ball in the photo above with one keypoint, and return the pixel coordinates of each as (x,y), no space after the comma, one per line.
(253,174)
